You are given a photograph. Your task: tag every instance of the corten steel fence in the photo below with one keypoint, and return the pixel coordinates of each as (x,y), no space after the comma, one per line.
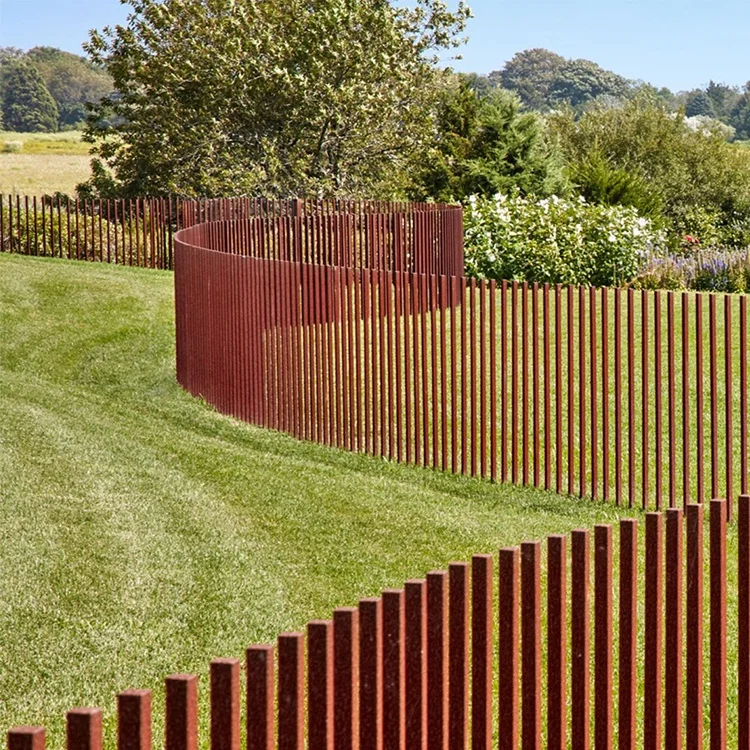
(637,397)
(140,231)
(457,659)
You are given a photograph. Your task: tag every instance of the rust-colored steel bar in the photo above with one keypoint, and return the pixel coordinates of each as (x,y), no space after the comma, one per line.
(83,729)
(525,428)
(514,383)
(291,691)
(547,389)
(346,678)
(181,723)
(558,391)
(225,704)
(425,373)
(435,375)
(409,316)
(694,628)
(579,640)
(535,382)
(631,397)
(617,343)
(26,738)
(658,407)
(594,365)
(260,688)
(652,719)
(645,343)
(458,655)
(699,406)
(481,651)
(605,394)
(444,460)
(493,380)
(454,304)
(415,593)
(571,394)
(134,720)
(370,674)
(718,619)
(743,623)
(504,381)
(437,660)
(509,567)
(531,645)
(603,637)
(557,650)
(673,613)
(671,397)
(320,685)
(473,358)
(628,640)
(743,397)
(393,716)
(728,406)
(714,394)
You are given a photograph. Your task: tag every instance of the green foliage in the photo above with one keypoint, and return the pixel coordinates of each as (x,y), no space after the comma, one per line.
(26,104)
(556,241)
(543,79)
(279,97)
(486,145)
(72,81)
(740,114)
(688,171)
(530,74)
(699,103)
(599,182)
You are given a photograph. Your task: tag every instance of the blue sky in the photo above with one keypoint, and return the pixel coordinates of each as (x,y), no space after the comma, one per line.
(666,42)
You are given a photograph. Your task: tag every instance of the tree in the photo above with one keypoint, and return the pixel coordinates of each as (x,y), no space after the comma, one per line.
(723,98)
(282,96)
(699,103)
(71,80)
(691,173)
(530,74)
(579,81)
(486,145)
(26,104)
(739,117)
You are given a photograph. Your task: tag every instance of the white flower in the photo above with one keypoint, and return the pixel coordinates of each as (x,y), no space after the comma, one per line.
(612,237)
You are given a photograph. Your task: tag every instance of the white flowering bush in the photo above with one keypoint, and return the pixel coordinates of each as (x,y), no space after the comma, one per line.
(557,241)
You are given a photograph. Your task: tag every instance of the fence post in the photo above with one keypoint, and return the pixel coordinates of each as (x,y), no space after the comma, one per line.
(182,712)
(83,729)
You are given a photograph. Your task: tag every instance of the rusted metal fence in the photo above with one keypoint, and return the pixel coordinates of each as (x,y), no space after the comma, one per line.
(638,397)
(457,659)
(140,231)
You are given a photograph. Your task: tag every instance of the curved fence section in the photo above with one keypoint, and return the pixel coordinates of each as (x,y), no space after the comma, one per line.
(357,330)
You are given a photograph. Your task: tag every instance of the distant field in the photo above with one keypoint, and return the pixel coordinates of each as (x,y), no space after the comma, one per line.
(68,143)
(47,163)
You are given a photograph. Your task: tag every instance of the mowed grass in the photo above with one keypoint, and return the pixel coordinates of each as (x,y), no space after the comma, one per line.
(143,533)
(47,163)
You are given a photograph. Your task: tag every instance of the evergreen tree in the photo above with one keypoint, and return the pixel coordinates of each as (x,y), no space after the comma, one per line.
(486,145)
(699,103)
(27,105)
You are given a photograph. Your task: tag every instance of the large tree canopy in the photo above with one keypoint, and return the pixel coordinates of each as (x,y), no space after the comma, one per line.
(280,96)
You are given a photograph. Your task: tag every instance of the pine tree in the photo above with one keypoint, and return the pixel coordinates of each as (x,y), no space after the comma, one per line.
(27,106)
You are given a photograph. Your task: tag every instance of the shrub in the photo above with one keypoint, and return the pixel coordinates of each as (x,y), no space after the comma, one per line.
(12,147)
(557,241)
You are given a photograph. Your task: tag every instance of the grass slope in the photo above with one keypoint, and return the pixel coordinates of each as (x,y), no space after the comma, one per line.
(144,534)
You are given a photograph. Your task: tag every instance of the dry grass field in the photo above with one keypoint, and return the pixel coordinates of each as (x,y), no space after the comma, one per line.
(45,163)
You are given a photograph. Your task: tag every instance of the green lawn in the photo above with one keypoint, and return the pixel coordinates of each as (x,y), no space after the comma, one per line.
(143,533)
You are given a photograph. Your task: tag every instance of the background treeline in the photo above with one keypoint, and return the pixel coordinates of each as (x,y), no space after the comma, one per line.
(45,89)
(545,81)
